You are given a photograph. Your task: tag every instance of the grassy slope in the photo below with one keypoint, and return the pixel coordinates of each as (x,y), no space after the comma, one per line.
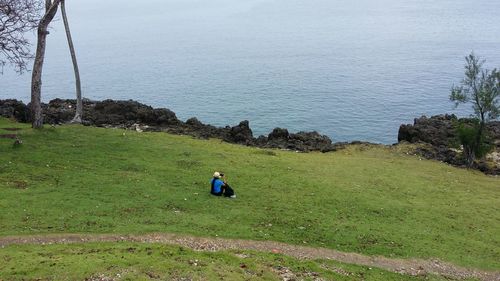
(129,261)
(369,200)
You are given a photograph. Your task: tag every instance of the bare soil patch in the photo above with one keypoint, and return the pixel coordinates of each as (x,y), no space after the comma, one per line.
(413,267)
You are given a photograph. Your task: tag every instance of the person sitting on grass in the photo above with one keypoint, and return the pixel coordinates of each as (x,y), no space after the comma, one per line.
(220,186)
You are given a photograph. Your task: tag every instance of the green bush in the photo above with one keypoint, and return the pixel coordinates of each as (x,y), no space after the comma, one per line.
(473,139)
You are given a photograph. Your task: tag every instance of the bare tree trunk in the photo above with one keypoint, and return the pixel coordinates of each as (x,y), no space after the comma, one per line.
(36,78)
(79,104)
(469,155)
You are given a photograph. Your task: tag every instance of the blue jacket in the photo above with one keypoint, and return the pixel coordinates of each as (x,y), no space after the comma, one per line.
(216,187)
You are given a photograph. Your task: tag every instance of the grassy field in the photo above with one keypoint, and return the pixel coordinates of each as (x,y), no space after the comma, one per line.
(367,199)
(129,261)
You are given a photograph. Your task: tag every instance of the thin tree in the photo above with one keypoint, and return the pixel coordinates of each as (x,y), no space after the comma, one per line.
(51,7)
(16,18)
(481,88)
(79,104)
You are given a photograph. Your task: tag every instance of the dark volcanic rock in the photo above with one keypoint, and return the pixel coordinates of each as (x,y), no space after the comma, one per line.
(110,112)
(14,109)
(440,133)
(261,141)
(279,135)
(241,134)
(441,153)
(437,130)
(278,138)
(301,141)
(487,168)
(194,122)
(59,111)
(194,127)
(312,141)
(136,116)
(494,133)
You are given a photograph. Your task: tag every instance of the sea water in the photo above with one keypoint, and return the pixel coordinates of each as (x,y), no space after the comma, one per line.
(353,70)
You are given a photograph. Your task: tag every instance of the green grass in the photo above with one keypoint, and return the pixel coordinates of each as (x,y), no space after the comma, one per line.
(367,199)
(129,261)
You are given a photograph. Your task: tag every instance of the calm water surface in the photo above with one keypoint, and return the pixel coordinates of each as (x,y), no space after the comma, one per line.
(354,70)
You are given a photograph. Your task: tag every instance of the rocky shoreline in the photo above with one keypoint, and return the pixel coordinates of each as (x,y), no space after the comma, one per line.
(435,136)
(438,138)
(136,116)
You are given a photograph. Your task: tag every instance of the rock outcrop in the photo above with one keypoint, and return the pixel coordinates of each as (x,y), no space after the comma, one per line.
(301,141)
(440,130)
(241,134)
(108,113)
(440,133)
(437,130)
(134,115)
(14,109)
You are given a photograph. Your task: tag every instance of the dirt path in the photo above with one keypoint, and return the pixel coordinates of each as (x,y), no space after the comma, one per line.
(404,266)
